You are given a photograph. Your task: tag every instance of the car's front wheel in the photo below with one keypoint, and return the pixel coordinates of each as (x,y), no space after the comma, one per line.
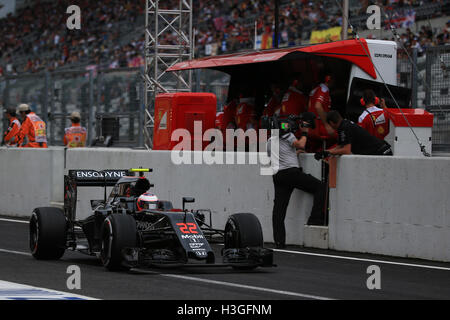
(242,231)
(118,232)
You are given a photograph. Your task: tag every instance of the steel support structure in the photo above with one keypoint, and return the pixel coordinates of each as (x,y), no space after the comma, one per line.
(168,41)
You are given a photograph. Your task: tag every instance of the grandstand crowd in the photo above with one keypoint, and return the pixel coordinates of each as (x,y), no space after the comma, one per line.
(36,37)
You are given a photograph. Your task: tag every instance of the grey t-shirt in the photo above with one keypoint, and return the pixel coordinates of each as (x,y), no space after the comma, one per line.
(282,153)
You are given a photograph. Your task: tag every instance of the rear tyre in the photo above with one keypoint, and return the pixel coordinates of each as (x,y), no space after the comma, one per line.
(118,232)
(47,233)
(243,230)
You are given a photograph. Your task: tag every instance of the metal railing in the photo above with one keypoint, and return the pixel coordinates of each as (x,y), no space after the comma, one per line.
(94,93)
(437,98)
(111,101)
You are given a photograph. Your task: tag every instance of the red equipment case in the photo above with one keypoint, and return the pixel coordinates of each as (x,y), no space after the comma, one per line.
(179,111)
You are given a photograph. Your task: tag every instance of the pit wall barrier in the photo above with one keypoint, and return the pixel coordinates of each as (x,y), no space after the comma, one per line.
(397,206)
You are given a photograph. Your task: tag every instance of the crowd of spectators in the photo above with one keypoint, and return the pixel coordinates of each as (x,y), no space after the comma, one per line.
(36,38)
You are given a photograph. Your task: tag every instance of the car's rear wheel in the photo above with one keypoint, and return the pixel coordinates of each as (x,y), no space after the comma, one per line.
(118,232)
(47,233)
(243,230)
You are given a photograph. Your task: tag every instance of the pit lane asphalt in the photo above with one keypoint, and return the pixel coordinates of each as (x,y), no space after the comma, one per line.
(301,274)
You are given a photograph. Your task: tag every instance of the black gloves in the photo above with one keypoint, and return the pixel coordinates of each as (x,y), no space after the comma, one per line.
(321,155)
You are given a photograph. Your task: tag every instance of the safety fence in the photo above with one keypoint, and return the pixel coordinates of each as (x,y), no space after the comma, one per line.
(108,101)
(427,74)
(438,96)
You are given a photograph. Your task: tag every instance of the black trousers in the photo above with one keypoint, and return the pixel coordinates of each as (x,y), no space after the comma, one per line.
(285,181)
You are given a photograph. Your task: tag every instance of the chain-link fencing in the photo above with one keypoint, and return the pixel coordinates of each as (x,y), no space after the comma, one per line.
(437,97)
(109,102)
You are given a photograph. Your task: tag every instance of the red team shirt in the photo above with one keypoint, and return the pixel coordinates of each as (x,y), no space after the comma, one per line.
(294,102)
(321,94)
(229,112)
(272,105)
(374,120)
(245,114)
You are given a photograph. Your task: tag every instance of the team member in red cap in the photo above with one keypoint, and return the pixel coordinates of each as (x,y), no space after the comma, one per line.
(225,120)
(274,101)
(246,120)
(229,112)
(373,118)
(294,101)
(320,105)
(245,117)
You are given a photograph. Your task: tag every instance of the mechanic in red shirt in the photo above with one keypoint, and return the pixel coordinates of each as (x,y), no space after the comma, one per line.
(11,136)
(275,100)
(225,120)
(229,112)
(373,119)
(245,117)
(320,105)
(294,100)
(247,120)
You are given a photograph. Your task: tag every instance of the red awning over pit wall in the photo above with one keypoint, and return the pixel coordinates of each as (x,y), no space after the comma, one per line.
(353,51)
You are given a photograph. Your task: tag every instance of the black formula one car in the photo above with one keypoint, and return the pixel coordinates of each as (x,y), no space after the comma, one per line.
(125,235)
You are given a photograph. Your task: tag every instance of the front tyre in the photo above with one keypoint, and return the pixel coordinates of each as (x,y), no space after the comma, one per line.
(118,232)
(47,233)
(243,230)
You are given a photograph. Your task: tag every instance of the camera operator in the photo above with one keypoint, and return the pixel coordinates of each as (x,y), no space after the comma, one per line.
(288,175)
(352,139)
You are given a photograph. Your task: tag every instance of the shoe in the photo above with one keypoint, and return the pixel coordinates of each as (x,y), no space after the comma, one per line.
(280,246)
(315,222)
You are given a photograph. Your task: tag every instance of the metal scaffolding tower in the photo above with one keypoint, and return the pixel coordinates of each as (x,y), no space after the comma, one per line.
(168,40)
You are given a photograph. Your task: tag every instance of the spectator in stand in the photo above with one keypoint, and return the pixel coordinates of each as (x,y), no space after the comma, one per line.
(221,27)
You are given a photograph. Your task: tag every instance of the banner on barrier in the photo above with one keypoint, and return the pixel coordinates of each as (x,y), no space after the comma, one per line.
(328,35)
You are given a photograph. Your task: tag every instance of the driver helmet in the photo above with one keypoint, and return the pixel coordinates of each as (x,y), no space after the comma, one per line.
(147,201)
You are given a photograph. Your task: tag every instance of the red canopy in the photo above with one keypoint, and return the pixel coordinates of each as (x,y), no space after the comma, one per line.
(354,51)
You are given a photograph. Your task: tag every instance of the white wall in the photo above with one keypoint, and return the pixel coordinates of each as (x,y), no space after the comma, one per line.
(393,206)
(396,206)
(29,178)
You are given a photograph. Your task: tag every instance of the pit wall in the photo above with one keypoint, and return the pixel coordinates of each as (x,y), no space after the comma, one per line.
(395,206)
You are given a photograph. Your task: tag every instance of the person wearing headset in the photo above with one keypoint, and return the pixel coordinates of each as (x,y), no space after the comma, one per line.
(373,119)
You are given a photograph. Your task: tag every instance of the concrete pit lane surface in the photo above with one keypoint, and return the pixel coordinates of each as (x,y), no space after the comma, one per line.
(300,274)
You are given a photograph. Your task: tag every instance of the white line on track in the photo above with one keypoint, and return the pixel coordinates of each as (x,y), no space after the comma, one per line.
(241,286)
(222,283)
(363,259)
(415,265)
(15,252)
(14,220)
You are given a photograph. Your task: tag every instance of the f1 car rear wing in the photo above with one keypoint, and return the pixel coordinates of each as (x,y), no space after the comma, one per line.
(92,178)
